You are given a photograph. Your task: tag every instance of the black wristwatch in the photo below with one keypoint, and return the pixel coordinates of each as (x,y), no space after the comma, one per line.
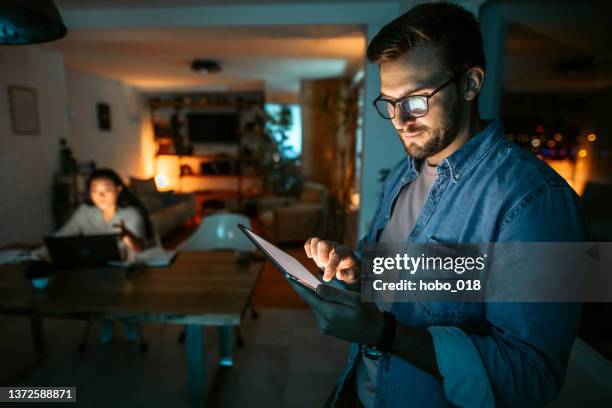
(385,340)
(387,334)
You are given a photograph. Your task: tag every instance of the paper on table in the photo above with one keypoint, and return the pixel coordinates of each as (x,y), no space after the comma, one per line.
(14,256)
(288,263)
(156,256)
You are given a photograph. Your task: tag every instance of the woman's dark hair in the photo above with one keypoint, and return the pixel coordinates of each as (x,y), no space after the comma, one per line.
(450,28)
(125,199)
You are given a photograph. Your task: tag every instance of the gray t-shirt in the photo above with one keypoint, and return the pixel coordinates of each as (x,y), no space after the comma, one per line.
(88,220)
(407,207)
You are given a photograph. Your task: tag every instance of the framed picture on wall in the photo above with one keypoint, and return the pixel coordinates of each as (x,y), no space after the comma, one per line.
(23,104)
(104,116)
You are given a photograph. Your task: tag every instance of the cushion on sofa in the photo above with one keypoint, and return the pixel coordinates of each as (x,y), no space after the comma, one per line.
(171,198)
(143,186)
(152,201)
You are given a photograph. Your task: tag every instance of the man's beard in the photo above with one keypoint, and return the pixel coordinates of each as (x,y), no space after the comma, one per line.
(438,139)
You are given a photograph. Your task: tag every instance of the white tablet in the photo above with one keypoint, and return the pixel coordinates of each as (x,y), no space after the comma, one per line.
(287,264)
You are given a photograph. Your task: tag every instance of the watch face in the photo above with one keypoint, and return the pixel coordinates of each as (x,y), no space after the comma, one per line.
(371,352)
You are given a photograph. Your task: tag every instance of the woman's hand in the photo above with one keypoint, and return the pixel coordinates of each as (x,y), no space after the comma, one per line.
(335,259)
(128,237)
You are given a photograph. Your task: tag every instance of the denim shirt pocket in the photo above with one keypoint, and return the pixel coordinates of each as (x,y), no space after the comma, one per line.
(444,312)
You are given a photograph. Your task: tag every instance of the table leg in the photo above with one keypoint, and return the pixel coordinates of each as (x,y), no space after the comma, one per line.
(194,345)
(226,359)
(38,336)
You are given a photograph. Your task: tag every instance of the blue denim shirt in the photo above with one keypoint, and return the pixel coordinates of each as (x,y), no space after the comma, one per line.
(490,190)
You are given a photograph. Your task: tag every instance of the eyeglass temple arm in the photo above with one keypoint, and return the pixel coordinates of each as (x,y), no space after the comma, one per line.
(441,86)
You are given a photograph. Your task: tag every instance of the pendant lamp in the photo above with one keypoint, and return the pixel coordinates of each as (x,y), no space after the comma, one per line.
(29,22)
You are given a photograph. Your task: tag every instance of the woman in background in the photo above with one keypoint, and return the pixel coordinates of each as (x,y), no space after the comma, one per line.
(110,207)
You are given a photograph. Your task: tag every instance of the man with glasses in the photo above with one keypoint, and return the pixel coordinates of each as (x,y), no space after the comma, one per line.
(462,181)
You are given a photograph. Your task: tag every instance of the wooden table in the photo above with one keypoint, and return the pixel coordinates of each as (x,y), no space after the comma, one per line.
(198,289)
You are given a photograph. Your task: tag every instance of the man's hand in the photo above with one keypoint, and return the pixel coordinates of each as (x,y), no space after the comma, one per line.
(340,313)
(335,260)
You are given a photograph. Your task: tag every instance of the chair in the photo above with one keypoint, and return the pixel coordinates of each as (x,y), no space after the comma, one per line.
(220,231)
(142,343)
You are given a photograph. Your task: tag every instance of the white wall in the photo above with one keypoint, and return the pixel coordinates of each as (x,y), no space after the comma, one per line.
(27,162)
(124,148)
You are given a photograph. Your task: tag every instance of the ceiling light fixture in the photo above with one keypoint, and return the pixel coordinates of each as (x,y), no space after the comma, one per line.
(25,22)
(576,66)
(205,67)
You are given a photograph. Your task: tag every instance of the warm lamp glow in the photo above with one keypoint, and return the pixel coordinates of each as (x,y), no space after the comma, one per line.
(147,146)
(582,153)
(576,173)
(592,137)
(354,200)
(167,173)
(161,181)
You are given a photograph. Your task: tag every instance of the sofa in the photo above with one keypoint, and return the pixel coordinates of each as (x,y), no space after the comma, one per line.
(290,219)
(167,210)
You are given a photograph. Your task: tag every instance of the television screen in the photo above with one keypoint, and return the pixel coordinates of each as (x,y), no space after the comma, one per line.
(217,127)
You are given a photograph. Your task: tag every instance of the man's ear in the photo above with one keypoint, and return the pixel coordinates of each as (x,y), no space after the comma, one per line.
(474,79)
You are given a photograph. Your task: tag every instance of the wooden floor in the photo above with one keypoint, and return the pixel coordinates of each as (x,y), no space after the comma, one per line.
(273,290)
(285,363)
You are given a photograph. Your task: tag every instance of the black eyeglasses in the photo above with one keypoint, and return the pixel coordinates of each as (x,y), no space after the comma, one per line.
(414,106)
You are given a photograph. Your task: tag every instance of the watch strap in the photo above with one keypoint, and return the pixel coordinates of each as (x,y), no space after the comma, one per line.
(387,334)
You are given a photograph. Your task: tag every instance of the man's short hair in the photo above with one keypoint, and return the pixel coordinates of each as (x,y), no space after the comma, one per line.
(450,28)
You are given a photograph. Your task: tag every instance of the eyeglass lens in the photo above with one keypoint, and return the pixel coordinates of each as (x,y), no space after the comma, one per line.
(415,106)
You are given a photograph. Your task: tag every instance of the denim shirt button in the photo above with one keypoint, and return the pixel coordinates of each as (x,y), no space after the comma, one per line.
(457,176)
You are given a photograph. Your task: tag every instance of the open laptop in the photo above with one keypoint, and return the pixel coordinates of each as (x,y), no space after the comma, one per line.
(78,251)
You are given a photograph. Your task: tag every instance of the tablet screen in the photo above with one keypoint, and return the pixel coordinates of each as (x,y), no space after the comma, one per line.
(285,262)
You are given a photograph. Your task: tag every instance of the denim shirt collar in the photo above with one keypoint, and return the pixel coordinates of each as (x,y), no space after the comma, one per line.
(471,153)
